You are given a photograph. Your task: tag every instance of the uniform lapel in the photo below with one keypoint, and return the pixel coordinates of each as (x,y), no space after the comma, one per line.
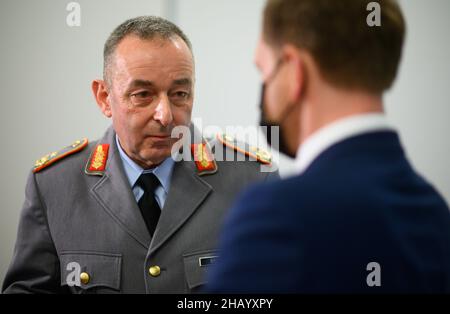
(187,192)
(114,194)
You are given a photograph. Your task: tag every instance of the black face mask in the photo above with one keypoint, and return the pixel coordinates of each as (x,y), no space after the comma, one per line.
(264,122)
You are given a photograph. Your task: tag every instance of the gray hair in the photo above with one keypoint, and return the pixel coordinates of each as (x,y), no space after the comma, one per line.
(145,27)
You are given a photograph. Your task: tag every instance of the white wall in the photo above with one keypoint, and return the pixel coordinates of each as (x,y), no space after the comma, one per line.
(46,70)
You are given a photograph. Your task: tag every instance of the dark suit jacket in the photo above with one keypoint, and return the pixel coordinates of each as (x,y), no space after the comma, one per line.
(359,202)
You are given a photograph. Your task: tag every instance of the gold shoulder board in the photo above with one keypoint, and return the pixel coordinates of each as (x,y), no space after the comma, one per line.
(53,157)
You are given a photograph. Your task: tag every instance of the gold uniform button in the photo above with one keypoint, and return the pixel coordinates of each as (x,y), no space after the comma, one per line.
(154,271)
(84,278)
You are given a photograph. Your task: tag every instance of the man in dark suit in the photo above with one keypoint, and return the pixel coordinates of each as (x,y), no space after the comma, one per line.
(356,218)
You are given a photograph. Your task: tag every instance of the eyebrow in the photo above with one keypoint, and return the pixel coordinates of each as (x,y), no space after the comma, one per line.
(141,83)
(183,82)
(146,83)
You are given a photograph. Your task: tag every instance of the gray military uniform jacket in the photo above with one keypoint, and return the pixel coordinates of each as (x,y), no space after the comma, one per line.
(82,232)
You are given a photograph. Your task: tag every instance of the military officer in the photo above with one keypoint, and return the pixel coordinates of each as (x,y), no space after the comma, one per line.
(120,215)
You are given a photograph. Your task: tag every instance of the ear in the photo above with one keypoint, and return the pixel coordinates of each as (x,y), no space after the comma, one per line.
(101,95)
(296,77)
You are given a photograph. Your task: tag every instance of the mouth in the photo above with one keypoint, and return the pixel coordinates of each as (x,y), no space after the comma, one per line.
(160,138)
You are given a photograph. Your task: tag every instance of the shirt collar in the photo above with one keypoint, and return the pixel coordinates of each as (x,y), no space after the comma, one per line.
(163,172)
(336,132)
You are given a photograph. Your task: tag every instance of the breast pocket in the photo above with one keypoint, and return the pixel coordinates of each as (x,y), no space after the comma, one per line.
(196,265)
(91,272)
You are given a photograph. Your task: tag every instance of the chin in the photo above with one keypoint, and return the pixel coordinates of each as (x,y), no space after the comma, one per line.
(156,155)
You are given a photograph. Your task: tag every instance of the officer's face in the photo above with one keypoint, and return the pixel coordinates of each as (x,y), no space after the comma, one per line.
(151,92)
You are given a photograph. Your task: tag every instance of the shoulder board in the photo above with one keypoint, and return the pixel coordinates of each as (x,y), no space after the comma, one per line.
(203,159)
(257,153)
(53,157)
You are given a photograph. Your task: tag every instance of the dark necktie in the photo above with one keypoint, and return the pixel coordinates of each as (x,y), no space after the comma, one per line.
(148,205)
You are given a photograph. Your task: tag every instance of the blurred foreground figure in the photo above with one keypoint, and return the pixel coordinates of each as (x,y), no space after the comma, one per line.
(357,217)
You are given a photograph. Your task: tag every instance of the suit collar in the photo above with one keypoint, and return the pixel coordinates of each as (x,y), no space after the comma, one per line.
(377,145)
(337,132)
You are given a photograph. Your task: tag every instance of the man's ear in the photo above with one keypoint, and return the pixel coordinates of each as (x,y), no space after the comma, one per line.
(296,77)
(101,95)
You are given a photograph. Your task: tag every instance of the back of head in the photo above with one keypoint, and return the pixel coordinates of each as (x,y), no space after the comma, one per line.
(349,53)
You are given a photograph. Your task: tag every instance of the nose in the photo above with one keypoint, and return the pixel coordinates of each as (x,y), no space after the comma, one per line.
(163,111)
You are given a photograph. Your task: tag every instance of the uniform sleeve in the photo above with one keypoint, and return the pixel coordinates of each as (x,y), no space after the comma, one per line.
(35,266)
